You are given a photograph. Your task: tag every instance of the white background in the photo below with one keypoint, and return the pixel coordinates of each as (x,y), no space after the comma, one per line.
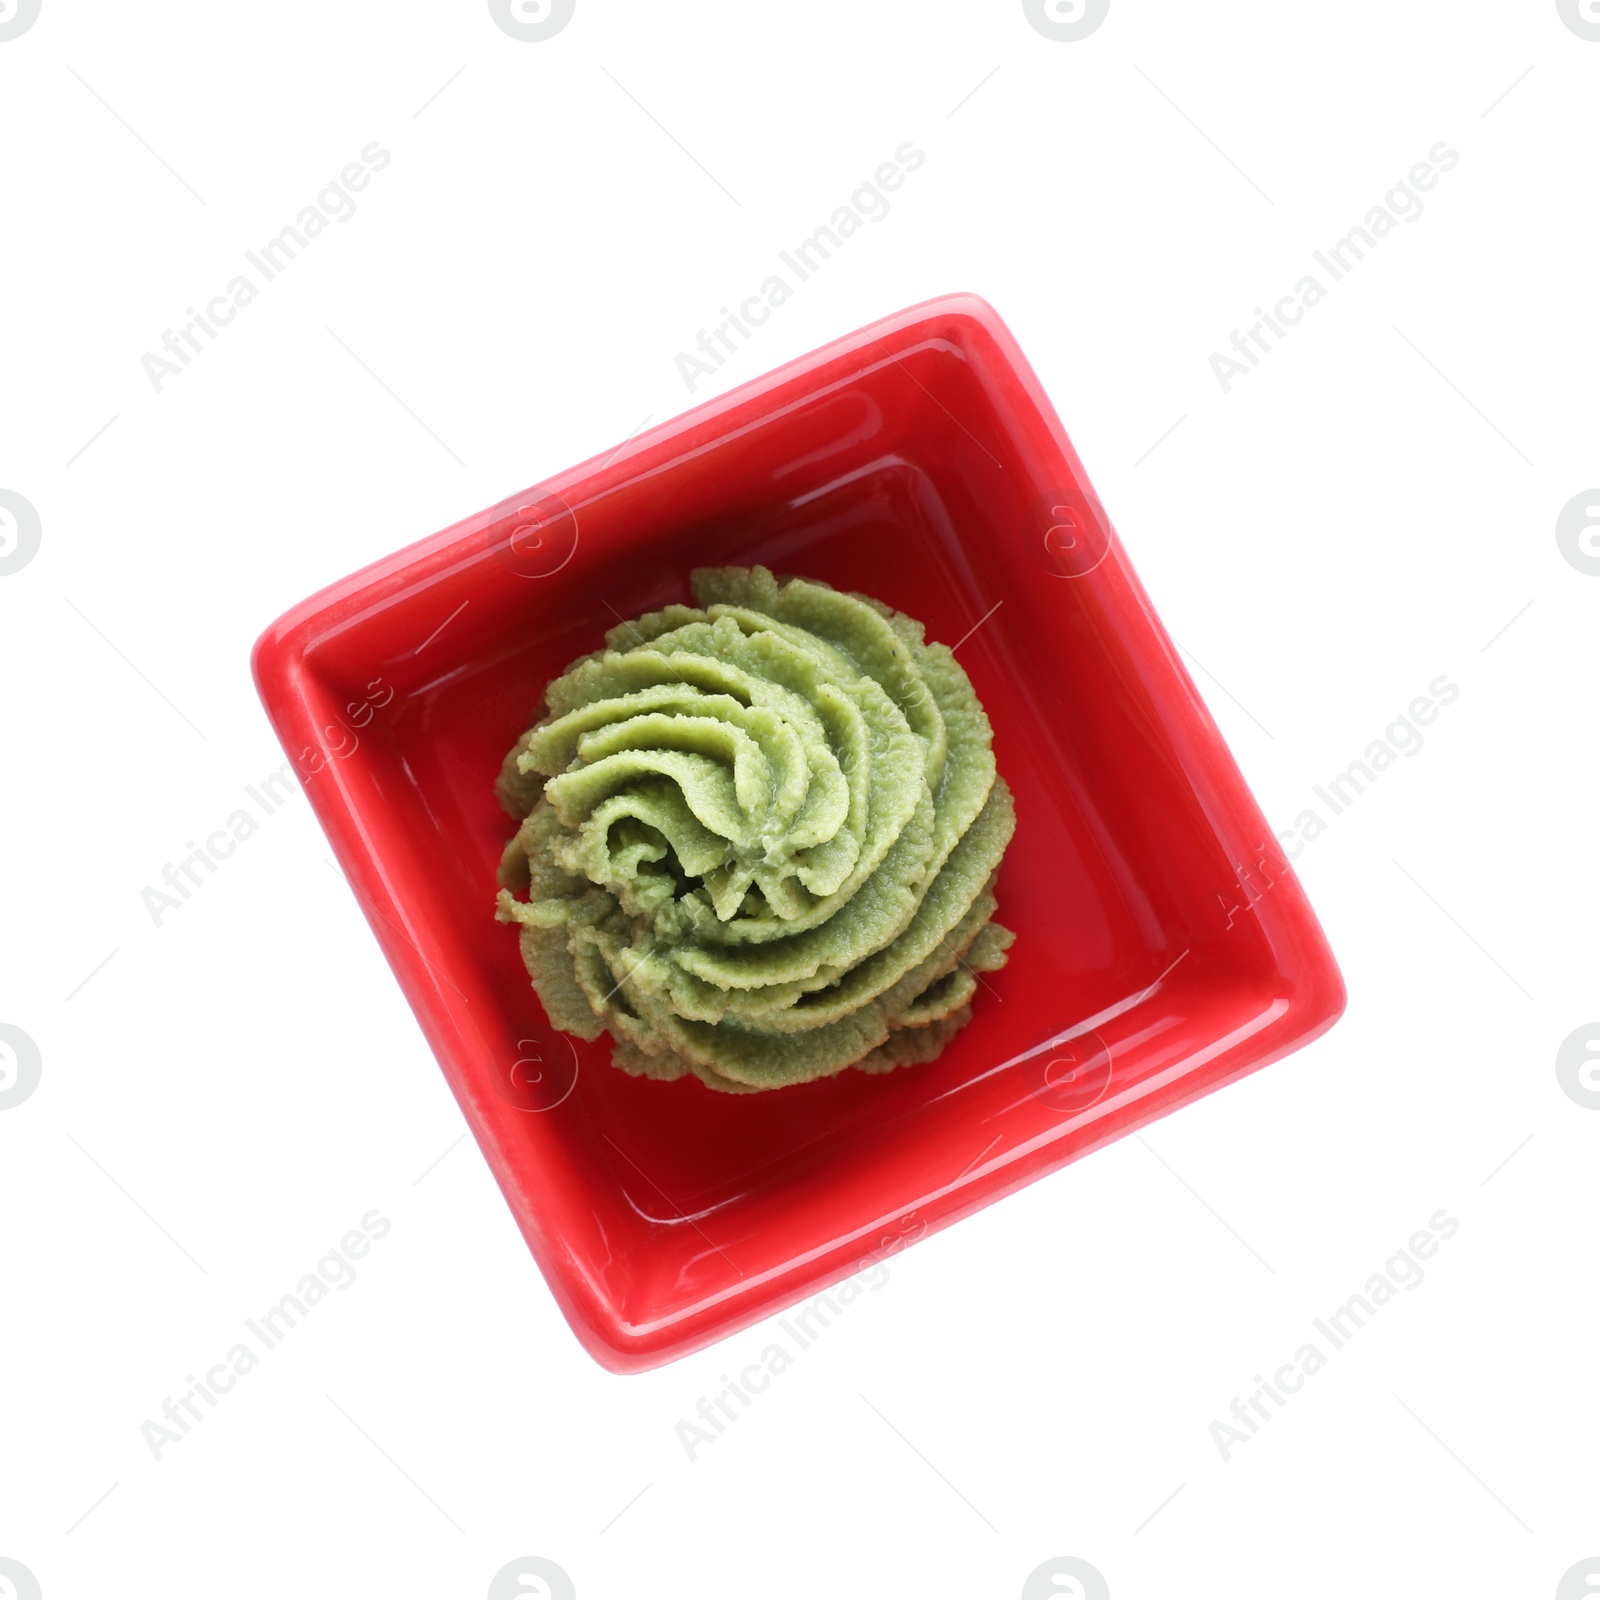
(230,1092)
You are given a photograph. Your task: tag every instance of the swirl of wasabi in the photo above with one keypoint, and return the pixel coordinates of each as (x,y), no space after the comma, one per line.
(758,838)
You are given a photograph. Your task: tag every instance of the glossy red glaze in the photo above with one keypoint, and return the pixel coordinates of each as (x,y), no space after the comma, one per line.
(1163,945)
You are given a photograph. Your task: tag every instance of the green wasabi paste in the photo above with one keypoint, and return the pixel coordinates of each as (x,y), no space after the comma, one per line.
(758,838)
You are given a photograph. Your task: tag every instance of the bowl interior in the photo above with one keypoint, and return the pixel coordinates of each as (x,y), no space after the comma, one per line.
(905,478)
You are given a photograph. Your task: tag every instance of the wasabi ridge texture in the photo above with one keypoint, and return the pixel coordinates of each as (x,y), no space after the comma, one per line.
(758,838)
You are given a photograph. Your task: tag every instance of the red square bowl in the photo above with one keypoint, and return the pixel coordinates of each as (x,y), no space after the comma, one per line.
(1163,946)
